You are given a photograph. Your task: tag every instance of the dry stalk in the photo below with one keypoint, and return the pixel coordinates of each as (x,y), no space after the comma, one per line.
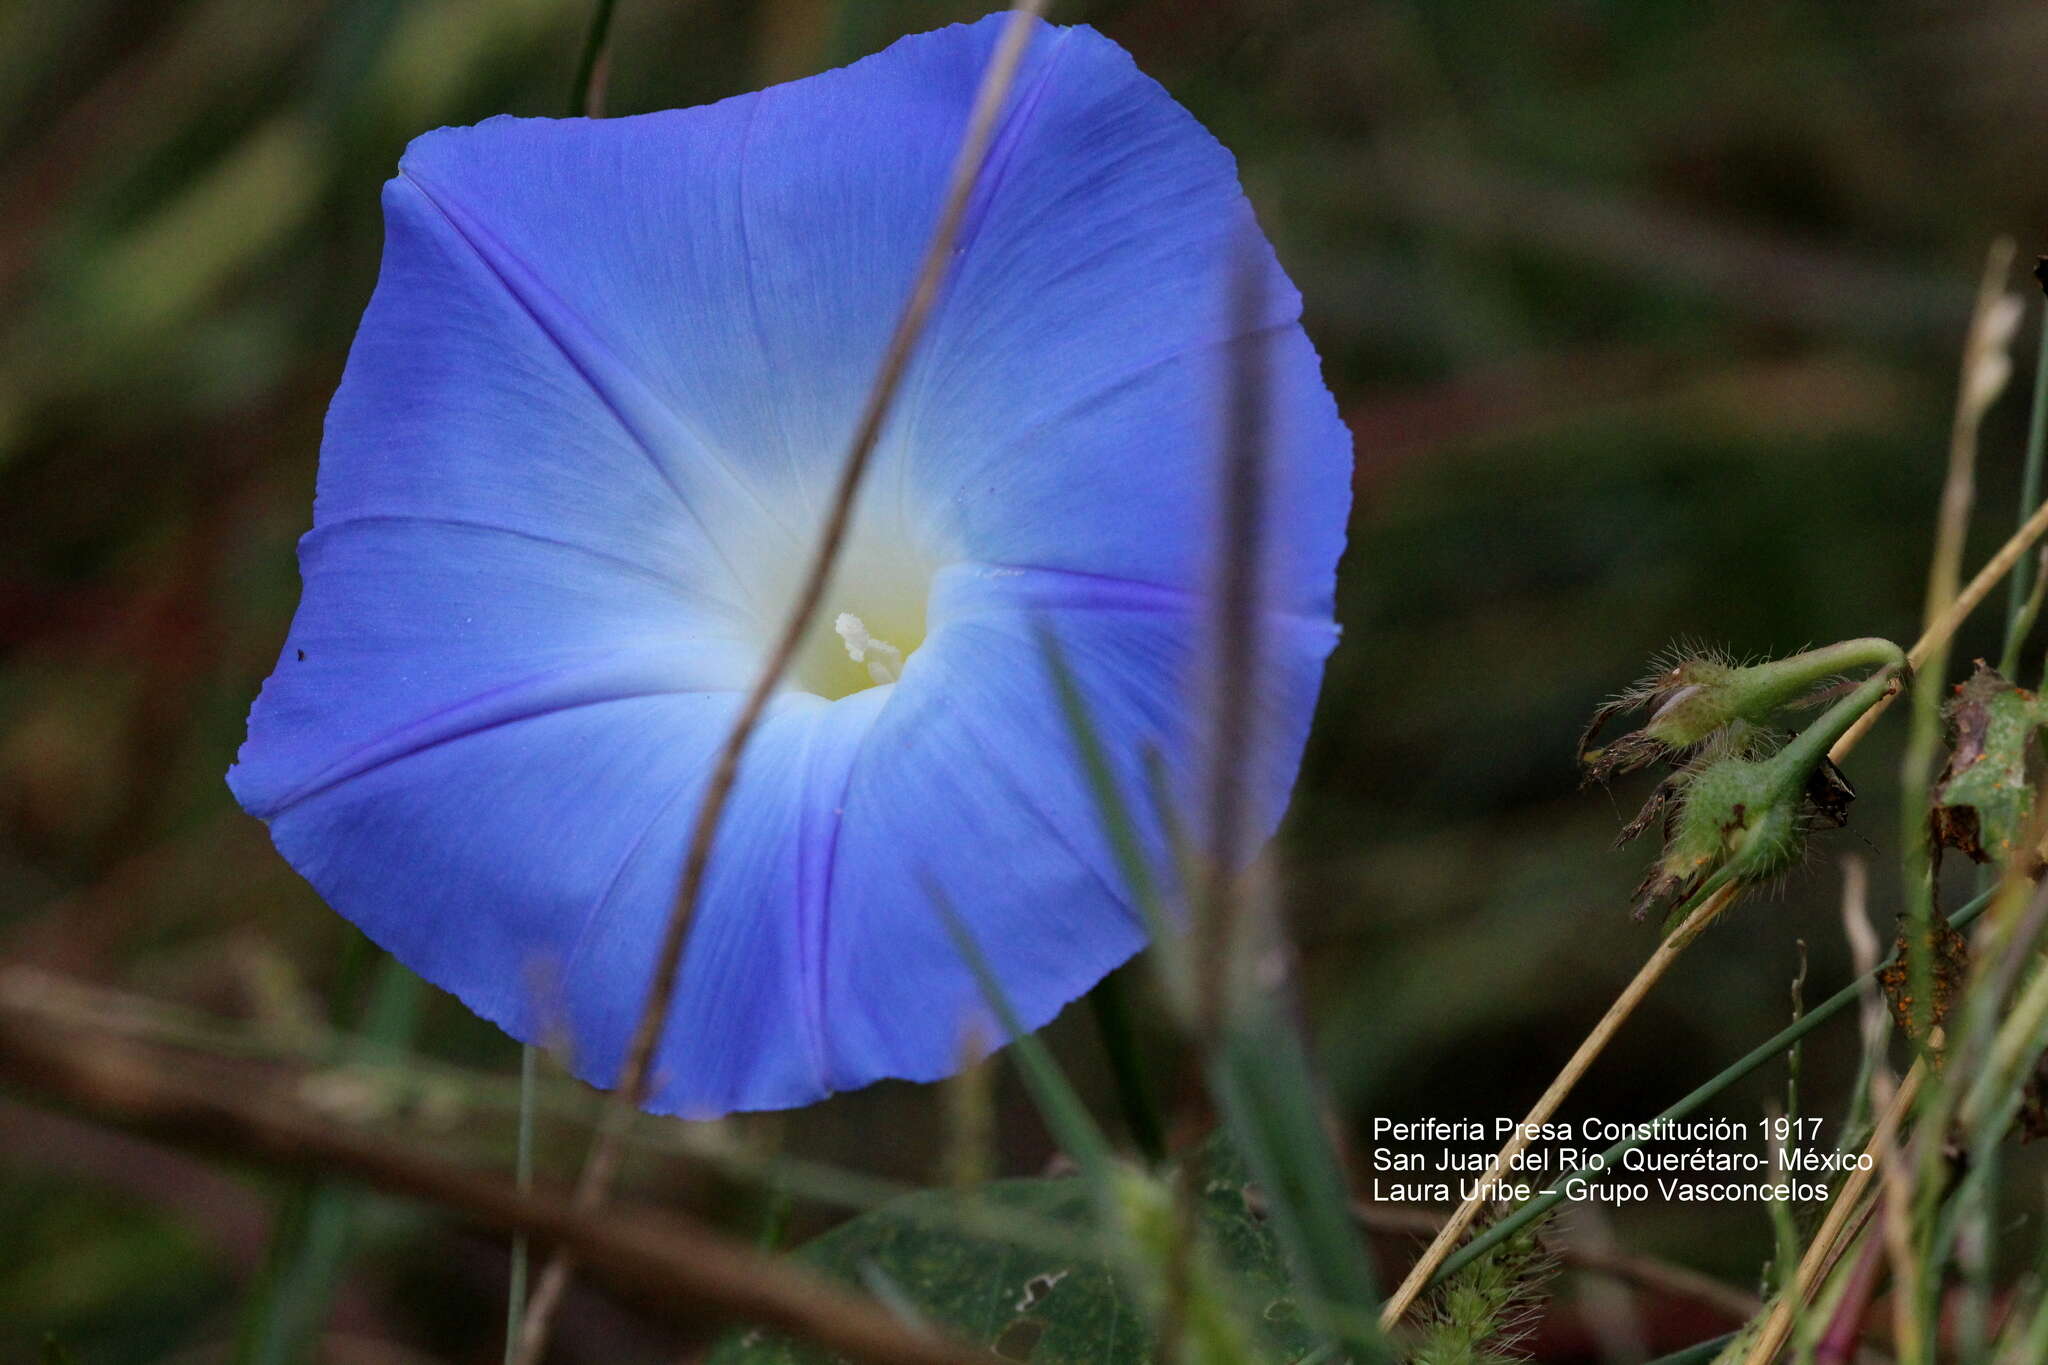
(608,1148)
(1595,1043)
(1895,1214)
(1987,364)
(272,1115)
(1819,1252)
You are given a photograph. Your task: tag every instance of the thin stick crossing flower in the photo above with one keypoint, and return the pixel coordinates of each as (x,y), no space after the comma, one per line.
(584,440)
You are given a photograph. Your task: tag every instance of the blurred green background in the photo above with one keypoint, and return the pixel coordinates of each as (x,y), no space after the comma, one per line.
(1646,317)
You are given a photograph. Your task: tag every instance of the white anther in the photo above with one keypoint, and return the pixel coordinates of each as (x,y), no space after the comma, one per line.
(884,660)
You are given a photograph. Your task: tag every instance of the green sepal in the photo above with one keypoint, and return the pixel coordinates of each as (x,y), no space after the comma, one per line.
(1702,698)
(1736,817)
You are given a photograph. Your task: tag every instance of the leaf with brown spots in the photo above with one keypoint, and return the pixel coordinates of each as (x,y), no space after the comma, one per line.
(1984,801)
(1951,967)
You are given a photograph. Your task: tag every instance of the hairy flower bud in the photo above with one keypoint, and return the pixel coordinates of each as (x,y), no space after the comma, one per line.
(1701,697)
(1737,816)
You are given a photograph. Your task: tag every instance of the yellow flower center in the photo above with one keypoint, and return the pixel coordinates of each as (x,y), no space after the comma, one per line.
(873,619)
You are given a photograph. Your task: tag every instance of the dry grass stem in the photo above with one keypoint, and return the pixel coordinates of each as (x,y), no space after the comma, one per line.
(608,1148)
(272,1115)
(1235,633)
(1938,634)
(1987,364)
(1589,1050)
(1895,1204)
(1820,1251)
(1864,948)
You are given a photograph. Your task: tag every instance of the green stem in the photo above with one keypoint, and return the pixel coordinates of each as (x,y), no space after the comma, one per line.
(1961,1102)
(1917,928)
(309,1251)
(522,1175)
(2018,620)
(1812,744)
(775,1211)
(1697,1354)
(1978,1230)
(1058,1104)
(1262,1082)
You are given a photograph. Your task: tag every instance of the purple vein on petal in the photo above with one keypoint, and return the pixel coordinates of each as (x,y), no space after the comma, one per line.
(668,581)
(1002,151)
(815,884)
(642,415)
(495,709)
(1048,589)
(769,364)
(1108,389)
(1043,588)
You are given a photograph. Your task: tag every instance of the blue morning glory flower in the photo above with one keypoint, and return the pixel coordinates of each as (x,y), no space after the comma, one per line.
(571,475)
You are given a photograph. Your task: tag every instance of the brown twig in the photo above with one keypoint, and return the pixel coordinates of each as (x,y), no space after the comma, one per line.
(1987,364)
(263,1114)
(1594,1044)
(608,1147)
(1937,634)
(1934,638)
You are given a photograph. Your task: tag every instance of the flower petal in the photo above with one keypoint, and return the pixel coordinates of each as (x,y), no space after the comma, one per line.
(1082,365)
(750,257)
(747,1028)
(474,395)
(1125,485)
(970,782)
(411,632)
(586,429)
(479,860)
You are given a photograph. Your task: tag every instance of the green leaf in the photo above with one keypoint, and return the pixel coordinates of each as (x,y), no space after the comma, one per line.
(1984,799)
(1015,1268)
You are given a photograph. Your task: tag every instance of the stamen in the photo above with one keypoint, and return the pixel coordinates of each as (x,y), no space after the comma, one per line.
(884,660)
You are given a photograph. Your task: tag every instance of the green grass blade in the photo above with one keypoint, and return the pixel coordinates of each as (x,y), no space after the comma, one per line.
(515,1293)
(1058,1103)
(1698,1354)
(310,1249)
(1262,1081)
(2018,620)
(1111,1003)
(1111,808)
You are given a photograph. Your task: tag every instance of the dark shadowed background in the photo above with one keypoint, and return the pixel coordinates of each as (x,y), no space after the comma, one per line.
(1646,317)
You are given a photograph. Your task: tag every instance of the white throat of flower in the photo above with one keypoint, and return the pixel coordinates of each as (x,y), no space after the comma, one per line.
(872,621)
(884,660)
